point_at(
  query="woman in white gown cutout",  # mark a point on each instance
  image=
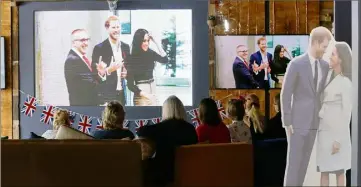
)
(334, 142)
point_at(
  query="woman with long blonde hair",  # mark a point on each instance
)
(61, 117)
(254, 117)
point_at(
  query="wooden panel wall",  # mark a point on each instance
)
(294, 17)
(299, 17)
(244, 17)
(6, 94)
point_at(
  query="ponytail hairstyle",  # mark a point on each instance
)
(255, 114)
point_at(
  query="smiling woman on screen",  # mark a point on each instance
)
(141, 66)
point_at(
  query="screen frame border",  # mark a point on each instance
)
(200, 61)
(214, 78)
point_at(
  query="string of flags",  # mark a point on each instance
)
(85, 122)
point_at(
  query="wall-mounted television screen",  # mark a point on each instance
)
(238, 56)
(2, 62)
(137, 57)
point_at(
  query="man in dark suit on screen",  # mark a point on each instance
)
(260, 63)
(80, 73)
(110, 56)
(241, 71)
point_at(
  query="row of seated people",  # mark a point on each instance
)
(175, 131)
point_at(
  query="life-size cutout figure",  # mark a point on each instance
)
(333, 138)
(304, 83)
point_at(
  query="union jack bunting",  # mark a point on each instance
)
(126, 124)
(85, 123)
(156, 120)
(29, 106)
(140, 123)
(47, 116)
(99, 124)
(221, 110)
(195, 117)
(72, 116)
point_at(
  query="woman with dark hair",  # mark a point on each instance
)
(212, 129)
(333, 139)
(279, 65)
(140, 68)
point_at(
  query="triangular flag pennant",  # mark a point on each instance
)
(156, 120)
(221, 110)
(72, 117)
(195, 117)
(47, 115)
(126, 124)
(99, 124)
(85, 123)
(140, 123)
(29, 106)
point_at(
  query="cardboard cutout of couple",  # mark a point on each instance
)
(316, 101)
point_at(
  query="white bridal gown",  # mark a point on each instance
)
(335, 116)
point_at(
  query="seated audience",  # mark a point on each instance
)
(172, 132)
(61, 117)
(113, 118)
(274, 127)
(212, 129)
(238, 129)
(254, 117)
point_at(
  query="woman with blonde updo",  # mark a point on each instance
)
(113, 118)
(61, 117)
(254, 117)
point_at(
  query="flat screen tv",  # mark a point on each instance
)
(2, 62)
(231, 49)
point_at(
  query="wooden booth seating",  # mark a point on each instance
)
(75, 163)
(207, 165)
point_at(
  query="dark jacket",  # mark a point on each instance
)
(80, 81)
(113, 134)
(243, 76)
(167, 135)
(107, 89)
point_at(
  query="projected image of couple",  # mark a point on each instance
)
(316, 104)
(123, 61)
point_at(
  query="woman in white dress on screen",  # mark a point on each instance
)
(334, 141)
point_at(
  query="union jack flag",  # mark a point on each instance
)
(221, 110)
(156, 120)
(72, 116)
(195, 117)
(126, 124)
(29, 106)
(140, 123)
(99, 124)
(85, 123)
(47, 116)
